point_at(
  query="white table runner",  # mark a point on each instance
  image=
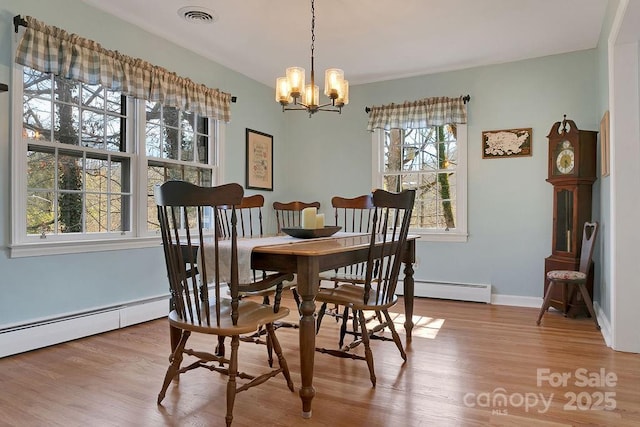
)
(245, 247)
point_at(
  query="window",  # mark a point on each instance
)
(177, 147)
(83, 156)
(432, 161)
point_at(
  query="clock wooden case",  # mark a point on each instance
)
(571, 171)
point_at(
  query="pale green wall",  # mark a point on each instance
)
(509, 200)
(47, 286)
(510, 203)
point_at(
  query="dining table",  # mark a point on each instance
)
(308, 258)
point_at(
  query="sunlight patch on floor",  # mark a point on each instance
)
(424, 326)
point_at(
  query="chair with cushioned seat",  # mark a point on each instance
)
(575, 278)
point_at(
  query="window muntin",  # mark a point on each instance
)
(77, 160)
(433, 162)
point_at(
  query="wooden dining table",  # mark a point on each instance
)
(308, 258)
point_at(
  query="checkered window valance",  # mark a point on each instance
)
(52, 50)
(418, 114)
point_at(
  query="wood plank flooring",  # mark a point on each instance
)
(469, 364)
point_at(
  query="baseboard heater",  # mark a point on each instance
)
(453, 291)
(43, 333)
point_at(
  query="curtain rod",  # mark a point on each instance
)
(465, 98)
(18, 21)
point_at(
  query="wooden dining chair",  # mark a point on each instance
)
(354, 215)
(249, 216)
(389, 225)
(288, 214)
(199, 303)
(575, 278)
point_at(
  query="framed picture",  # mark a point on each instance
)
(259, 160)
(506, 143)
(604, 144)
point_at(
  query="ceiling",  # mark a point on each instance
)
(371, 40)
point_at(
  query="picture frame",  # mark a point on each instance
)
(259, 160)
(504, 143)
(604, 145)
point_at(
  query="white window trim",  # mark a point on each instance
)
(461, 232)
(28, 247)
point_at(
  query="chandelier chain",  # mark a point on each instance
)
(313, 26)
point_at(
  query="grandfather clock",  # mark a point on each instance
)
(572, 171)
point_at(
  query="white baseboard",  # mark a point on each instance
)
(450, 290)
(605, 325)
(19, 339)
(516, 300)
(42, 333)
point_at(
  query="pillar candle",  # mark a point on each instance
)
(308, 218)
(320, 221)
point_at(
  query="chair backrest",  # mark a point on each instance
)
(390, 224)
(289, 214)
(187, 214)
(249, 213)
(353, 214)
(589, 233)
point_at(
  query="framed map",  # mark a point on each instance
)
(506, 143)
(259, 167)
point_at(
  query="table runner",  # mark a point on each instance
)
(245, 247)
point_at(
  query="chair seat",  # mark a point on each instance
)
(342, 277)
(566, 276)
(251, 316)
(351, 295)
(269, 291)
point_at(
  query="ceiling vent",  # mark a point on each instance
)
(197, 15)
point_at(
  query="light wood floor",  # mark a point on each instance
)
(463, 358)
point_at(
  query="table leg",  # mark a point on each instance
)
(308, 279)
(408, 299)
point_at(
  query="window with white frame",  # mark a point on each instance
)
(432, 161)
(82, 160)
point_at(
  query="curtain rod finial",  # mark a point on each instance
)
(18, 21)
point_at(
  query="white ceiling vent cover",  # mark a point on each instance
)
(197, 15)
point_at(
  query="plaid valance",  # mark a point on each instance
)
(418, 114)
(52, 50)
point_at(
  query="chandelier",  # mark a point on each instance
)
(292, 90)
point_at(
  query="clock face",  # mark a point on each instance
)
(565, 160)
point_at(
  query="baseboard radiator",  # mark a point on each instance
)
(453, 291)
(43, 333)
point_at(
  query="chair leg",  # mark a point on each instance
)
(281, 360)
(174, 367)
(231, 384)
(269, 349)
(220, 347)
(587, 301)
(367, 348)
(546, 302)
(323, 308)
(296, 298)
(394, 334)
(343, 326)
